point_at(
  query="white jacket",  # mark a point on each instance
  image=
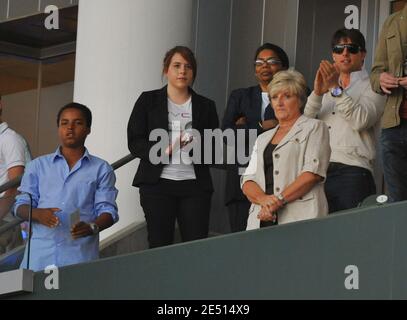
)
(305, 148)
(352, 120)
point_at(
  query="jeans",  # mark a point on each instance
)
(347, 186)
(393, 143)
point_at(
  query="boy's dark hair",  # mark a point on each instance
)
(81, 107)
(353, 34)
(277, 50)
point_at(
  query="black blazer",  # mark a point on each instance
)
(242, 102)
(151, 112)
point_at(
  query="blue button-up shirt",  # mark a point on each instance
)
(89, 186)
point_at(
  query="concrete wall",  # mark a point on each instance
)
(212, 47)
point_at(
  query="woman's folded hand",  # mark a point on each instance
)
(266, 214)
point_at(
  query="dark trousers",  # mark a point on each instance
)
(238, 214)
(393, 142)
(347, 186)
(169, 201)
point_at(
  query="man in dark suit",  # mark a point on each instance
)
(249, 108)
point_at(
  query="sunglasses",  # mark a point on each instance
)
(352, 48)
(270, 62)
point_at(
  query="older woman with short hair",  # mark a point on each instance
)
(284, 179)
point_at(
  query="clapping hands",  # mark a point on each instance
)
(327, 77)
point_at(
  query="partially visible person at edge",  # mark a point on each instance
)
(14, 156)
(345, 101)
(285, 177)
(249, 108)
(180, 190)
(389, 78)
(67, 183)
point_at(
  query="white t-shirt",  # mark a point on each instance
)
(14, 152)
(179, 118)
(264, 103)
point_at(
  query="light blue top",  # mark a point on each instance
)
(89, 187)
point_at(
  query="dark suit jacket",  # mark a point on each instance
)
(242, 102)
(151, 112)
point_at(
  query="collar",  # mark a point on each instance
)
(3, 127)
(258, 89)
(296, 128)
(58, 154)
(163, 91)
(357, 76)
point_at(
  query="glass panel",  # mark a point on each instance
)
(19, 90)
(21, 95)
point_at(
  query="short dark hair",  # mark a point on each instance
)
(81, 107)
(354, 35)
(186, 53)
(277, 50)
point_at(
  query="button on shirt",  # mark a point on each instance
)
(89, 186)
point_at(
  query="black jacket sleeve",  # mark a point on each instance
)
(137, 128)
